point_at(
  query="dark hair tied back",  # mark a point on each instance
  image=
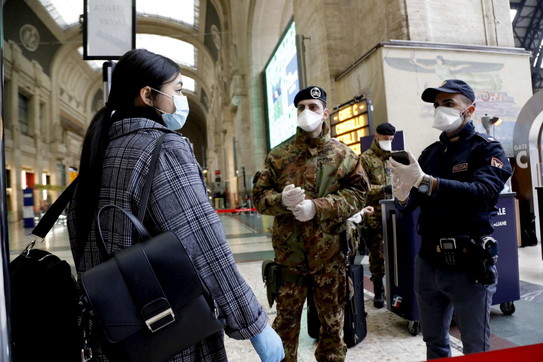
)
(135, 70)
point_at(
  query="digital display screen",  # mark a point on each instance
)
(351, 122)
(282, 85)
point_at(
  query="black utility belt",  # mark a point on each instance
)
(458, 251)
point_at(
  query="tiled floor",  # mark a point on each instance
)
(388, 338)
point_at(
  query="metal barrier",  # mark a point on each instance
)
(243, 209)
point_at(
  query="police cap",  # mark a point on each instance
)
(312, 92)
(449, 86)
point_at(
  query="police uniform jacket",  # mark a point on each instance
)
(472, 169)
(178, 202)
(332, 176)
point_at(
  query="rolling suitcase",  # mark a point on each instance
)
(402, 244)
(355, 329)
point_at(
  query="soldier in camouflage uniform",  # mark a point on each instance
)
(331, 186)
(374, 161)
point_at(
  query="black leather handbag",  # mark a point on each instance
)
(149, 299)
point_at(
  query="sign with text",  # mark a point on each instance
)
(110, 28)
(351, 121)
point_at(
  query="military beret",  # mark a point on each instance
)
(449, 86)
(386, 129)
(312, 92)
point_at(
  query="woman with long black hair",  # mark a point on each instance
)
(146, 101)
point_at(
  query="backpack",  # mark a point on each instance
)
(44, 308)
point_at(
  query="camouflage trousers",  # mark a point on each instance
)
(329, 294)
(373, 238)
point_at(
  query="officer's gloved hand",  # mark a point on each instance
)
(400, 190)
(292, 196)
(268, 345)
(357, 218)
(411, 175)
(305, 211)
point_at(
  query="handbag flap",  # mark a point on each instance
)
(112, 300)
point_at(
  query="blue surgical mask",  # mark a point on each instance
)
(177, 119)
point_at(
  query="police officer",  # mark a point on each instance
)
(312, 184)
(375, 162)
(456, 182)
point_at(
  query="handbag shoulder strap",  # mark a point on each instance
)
(143, 205)
(150, 176)
(51, 215)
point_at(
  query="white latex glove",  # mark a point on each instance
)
(400, 190)
(305, 211)
(411, 175)
(268, 345)
(292, 196)
(368, 210)
(357, 218)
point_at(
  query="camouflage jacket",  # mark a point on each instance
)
(374, 161)
(332, 176)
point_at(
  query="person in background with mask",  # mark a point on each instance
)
(312, 184)
(456, 183)
(146, 101)
(375, 162)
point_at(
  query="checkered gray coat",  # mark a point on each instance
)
(178, 202)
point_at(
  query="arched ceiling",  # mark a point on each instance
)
(169, 28)
(269, 21)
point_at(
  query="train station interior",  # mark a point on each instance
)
(242, 62)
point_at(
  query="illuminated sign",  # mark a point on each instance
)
(282, 85)
(351, 121)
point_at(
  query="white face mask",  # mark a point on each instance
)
(447, 119)
(385, 145)
(309, 121)
(177, 119)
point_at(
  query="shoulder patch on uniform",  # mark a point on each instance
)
(496, 162)
(488, 138)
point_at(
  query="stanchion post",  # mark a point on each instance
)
(28, 207)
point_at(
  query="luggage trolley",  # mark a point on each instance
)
(402, 243)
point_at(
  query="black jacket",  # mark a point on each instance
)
(471, 169)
